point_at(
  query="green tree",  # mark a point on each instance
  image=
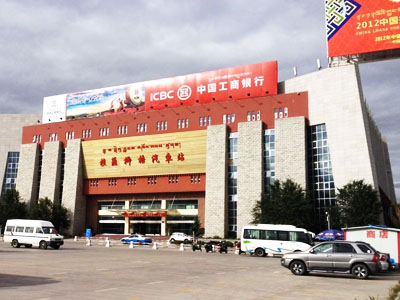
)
(196, 227)
(57, 214)
(286, 203)
(11, 207)
(358, 204)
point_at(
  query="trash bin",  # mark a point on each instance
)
(88, 232)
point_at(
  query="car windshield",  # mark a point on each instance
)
(49, 230)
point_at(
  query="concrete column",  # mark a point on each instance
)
(216, 208)
(27, 178)
(51, 168)
(290, 150)
(73, 198)
(249, 171)
(163, 219)
(127, 220)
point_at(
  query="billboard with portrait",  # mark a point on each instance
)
(362, 26)
(253, 80)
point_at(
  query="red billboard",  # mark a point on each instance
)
(253, 80)
(362, 26)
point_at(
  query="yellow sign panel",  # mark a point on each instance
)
(158, 154)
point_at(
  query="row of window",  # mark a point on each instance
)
(171, 204)
(122, 129)
(86, 133)
(280, 112)
(70, 135)
(172, 179)
(228, 118)
(163, 125)
(53, 137)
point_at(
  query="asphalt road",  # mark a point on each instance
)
(119, 272)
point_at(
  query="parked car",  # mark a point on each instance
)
(137, 239)
(358, 258)
(180, 237)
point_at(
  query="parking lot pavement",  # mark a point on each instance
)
(119, 272)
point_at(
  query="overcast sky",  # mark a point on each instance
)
(53, 47)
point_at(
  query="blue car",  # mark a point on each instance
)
(137, 239)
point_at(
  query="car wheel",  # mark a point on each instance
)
(15, 244)
(259, 252)
(43, 245)
(172, 241)
(360, 271)
(28, 246)
(56, 247)
(186, 241)
(298, 268)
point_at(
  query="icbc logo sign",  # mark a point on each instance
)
(162, 95)
(184, 92)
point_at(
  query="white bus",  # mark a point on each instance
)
(32, 233)
(264, 239)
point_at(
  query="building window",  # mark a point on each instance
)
(183, 123)
(162, 125)
(10, 174)
(275, 113)
(53, 137)
(94, 182)
(69, 135)
(37, 138)
(280, 113)
(131, 180)
(269, 159)
(205, 121)
(86, 133)
(232, 185)
(112, 181)
(142, 127)
(195, 178)
(104, 131)
(152, 180)
(62, 171)
(182, 204)
(321, 180)
(122, 130)
(286, 112)
(224, 119)
(173, 179)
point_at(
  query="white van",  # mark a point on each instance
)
(32, 233)
(264, 239)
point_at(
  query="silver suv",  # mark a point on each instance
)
(357, 258)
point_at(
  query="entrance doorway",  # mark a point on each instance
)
(146, 228)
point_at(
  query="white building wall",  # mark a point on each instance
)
(216, 210)
(11, 136)
(336, 99)
(290, 150)
(250, 177)
(51, 166)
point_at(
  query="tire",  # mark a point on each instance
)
(259, 252)
(172, 241)
(43, 245)
(298, 268)
(360, 271)
(15, 244)
(56, 247)
(28, 246)
(186, 241)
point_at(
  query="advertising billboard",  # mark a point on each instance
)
(159, 154)
(362, 26)
(253, 80)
